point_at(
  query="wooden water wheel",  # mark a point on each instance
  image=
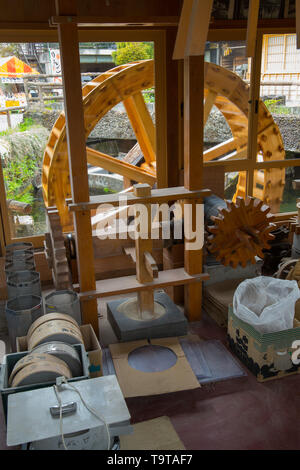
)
(224, 89)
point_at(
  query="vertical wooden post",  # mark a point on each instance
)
(143, 246)
(193, 167)
(68, 40)
(254, 92)
(298, 23)
(8, 119)
(160, 111)
(41, 100)
(173, 111)
(252, 27)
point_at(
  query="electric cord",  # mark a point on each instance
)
(89, 408)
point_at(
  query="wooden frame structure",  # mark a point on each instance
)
(151, 23)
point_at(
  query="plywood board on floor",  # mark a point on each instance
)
(154, 434)
(135, 383)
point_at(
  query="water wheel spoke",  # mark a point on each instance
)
(208, 104)
(142, 125)
(96, 158)
(233, 144)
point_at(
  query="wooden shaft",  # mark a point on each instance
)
(143, 246)
(253, 112)
(68, 40)
(193, 167)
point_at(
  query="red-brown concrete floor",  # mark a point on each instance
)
(234, 414)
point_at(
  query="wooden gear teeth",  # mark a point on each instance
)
(241, 232)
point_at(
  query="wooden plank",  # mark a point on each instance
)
(183, 27)
(157, 196)
(129, 284)
(198, 28)
(142, 125)
(122, 21)
(253, 112)
(223, 148)
(193, 28)
(193, 168)
(150, 264)
(298, 22)
(143, 245)
(193, 122)
(209, 102)
(252, 27)
(69, 49)
(96, 158)
(173, 110)
(160, 79)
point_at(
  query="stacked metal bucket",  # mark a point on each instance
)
(25, 303)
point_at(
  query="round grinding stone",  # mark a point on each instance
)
(49, 317)
(43, 371)
(32, 358)
(56, 330)
(63, 351)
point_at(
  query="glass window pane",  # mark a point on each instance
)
(280, 195)
(278, 128)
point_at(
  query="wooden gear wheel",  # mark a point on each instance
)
(224, 89)
(55, 251)
(241, 232)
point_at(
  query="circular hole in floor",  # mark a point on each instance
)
(152, 358)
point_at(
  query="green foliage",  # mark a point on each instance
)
(9, 49)
(17, 177)
(22, 127)
(275, 108)
(149, 95)
(25, 125)
(131, 51)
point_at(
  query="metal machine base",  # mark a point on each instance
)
(171, 323)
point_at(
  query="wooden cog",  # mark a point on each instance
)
(241, 232)
(224, 89)
(55, 252)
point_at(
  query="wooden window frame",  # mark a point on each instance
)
(158, 36)
(159, 39)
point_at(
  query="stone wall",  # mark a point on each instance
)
(115, 125)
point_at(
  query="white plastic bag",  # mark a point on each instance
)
(266, 303)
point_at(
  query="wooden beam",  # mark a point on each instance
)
(162, 169)
(142, 125)
(173, 109)
(198, 28)
(183, 27)
(298, 23)
(252, 27)
(253, 112)
(129, 284)
(218, 150)
(209, 102)
(158, 196)
(193, 168)
(118, 22)
(69, 49)
(96, 158)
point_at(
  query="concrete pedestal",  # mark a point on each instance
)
(171, 323)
